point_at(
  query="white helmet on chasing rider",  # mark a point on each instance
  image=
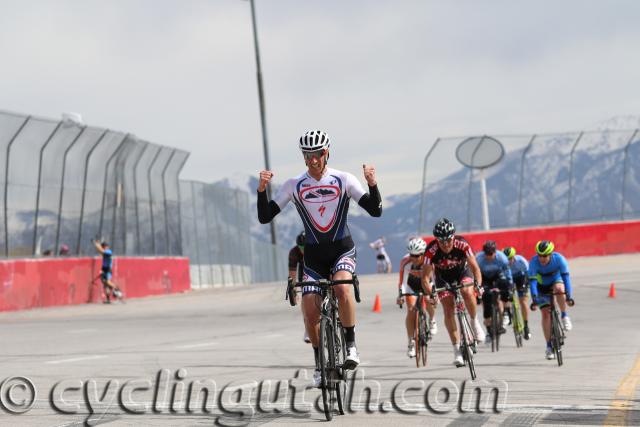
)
(314, 140)
(416, 246)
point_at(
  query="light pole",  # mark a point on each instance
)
(263, 120)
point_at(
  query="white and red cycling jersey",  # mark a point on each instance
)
(413, 282)
(323, 205)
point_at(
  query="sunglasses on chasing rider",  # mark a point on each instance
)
(445, 241)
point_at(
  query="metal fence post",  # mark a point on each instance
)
(164, 195)
(573, 149)
(524, 154)
(135, 196)
(180, 249)
(195, 230)
(473, 156)
(6, 185)
(624, 172)
(153, 232)
(38, 191)
(209, 237)
(424, 187)
(104, 185)
(118, 195)
(64, 167)
(84, 189)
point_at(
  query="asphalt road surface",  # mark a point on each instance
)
(139, 363)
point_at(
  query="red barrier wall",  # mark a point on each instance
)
(30, 283)
(608, 238)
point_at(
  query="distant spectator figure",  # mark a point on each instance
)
(47, 252)
(64, 250)
(383, 262)
(105, 276)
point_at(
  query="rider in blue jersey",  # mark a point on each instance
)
(549, 274)
(520, 272)
(109, 287)
(496, 273)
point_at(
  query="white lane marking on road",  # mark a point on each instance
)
(75, 359)
(198, 345)
(81, 331)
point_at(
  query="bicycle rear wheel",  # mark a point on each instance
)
(327, 366)
(342, 380)
(495, 326)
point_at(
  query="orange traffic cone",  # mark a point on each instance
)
(612, 290)
(376, 305)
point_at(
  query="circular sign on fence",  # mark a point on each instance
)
(479, 152)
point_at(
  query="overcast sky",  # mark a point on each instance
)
(383, 78)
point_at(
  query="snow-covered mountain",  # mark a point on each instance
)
(597, 177)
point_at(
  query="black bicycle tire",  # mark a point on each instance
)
(556, 331)
(495, 327)
(424, 337)
(342, 387)
(416, 336)
(467, 352)
(325, 369)
(517, 320)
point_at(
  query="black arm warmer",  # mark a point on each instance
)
(267, 209)
(372, 202)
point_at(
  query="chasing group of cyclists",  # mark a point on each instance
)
(448, 258)
(321, 195)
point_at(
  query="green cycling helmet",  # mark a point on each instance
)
(544, 247)
(510, 252)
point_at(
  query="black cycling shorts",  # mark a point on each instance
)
(487, 297)
(325, 259)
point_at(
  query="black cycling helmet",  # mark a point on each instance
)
(300, 239)
(104, 244)
(444, 229)
(489, 247)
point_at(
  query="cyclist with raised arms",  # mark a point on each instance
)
(548, 275)
(321, 195)
(451, 259)
(519, 267)
(496, 273)
(412, 263)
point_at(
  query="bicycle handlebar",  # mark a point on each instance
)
(322, 283)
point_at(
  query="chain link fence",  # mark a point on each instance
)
(216, 230)
(65, 183)
(541, 180)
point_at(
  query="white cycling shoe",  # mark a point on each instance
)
(480, 335)
(352, 360)
(566, 322)
(549, 354)
(457, 357)
(317, 379)
(411, 350)
(433, 327)
(306, 338)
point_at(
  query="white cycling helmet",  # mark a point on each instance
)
(416, 246)
(314, 140)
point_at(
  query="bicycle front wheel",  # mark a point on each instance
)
(327, 366)
(342, 380)
(556, 336)
(466, 337)
(496, 324)
(424, 337)
(518, 321)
